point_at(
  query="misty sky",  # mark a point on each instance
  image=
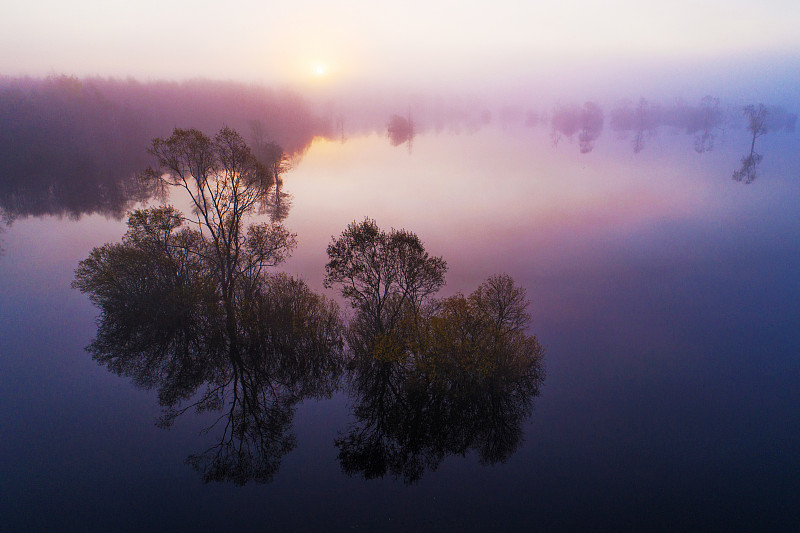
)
(311, 43)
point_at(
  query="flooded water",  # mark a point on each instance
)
(664, 292)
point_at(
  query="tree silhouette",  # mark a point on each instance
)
(400, 130)
(586, 121)
(644, 125)
(163, 323)
(710, 118)
(382, 273)
(757, 126)
(464, 381)
(226, 183)
(591, 126)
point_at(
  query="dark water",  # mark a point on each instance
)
(665, 293)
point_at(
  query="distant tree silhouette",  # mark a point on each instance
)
(710, 118)
(591, 126)
(271, 155)
(565, 121)
(757, 126)
(400, 130)
(586, 121)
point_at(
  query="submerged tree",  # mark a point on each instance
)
(642, 121)
(709, 118)
(565, 121)
(591, 126)
(429, 378)
(464, 383)
(277, 162)
(586, 121)
(757, 126)
(644, 126)
(188, 306)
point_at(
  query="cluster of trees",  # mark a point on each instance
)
(705, 122)
(587, 121)
(164, 324)
(640, 121)
(429, 377)
(191, 305)
(65, 149)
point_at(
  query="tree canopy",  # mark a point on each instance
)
(226, 183)
(164, 324)
(189, 307)
(461, 378)
(382, 273)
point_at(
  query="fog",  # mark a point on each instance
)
(71, 146)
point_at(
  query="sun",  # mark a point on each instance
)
(319, 69)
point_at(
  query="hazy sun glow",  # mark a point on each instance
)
(320, 69)
(314, 43)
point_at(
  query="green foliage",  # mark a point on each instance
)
(480, 337)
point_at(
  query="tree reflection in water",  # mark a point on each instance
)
(464, 383)
(757, 126)
(429, 378)
(163, 324)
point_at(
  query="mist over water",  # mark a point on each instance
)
(662, 289)
(73, 146)
(607, 194)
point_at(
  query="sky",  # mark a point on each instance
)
(311, 43)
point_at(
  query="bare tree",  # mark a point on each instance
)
(226, 184)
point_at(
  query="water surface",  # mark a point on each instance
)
(665, 293)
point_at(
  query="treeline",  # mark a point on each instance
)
(638, 121)
(70, 146)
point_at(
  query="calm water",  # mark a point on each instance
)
(665, 294)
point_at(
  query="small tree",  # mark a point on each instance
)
(757, 125)
(591, 126)
(400, 130)
(382, 273)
